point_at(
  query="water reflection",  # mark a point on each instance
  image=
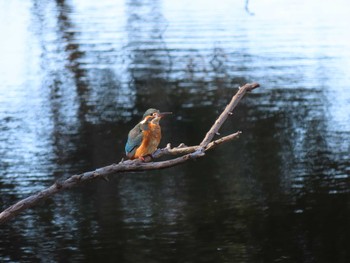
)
(76, 75)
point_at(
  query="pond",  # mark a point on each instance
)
(77, 75)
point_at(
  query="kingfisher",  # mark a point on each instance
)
(144, 138)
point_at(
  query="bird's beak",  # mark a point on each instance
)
(162, 114)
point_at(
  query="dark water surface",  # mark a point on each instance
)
(76, 75)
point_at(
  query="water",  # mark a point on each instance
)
(75, 76)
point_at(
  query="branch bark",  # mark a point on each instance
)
(186, 152)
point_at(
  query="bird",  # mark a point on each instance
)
(144, 138)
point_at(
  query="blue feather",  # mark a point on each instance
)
(134, 141)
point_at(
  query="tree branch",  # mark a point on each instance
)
(186, 152)
(214, 130)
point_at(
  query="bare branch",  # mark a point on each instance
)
(227, 112)
(182, 149)
(186, 152)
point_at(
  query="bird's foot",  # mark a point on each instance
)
(146, 158)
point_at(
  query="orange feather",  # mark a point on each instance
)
(150, 141)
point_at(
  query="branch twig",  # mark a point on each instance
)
(227, 112)
(186, 152)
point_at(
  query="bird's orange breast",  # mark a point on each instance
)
(150, 141)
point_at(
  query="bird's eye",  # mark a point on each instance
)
(154, 114)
